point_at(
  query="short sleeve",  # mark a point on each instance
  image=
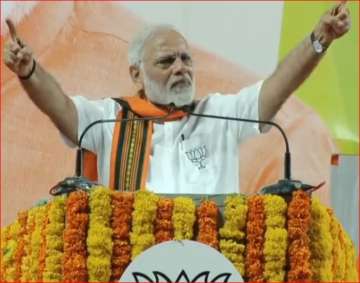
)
(89, 111)
(248, 108)
(244, 104)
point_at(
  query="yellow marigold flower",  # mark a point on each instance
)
(4, 231)
(143, 217)
(321, 243)
(351, 272)
(10, 251)
(54, 240)
(338, 252)
(183, 218)
(99, 240)
(275, 245)
(36, 243)
(232, 234)
(26, 262)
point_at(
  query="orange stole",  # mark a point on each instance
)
(131, 145)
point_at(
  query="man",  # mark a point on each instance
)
(184, 155)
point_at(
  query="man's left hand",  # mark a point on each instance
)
(333, 24)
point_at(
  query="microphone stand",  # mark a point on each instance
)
(80, 182)
(284, 187)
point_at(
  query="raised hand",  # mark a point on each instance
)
(333, 24)
(17, 56)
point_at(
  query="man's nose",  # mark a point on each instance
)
(179, 67)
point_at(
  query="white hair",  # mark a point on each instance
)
(136, 47)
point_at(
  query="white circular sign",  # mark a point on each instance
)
(181, 261)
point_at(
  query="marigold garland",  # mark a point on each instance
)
(36, 246)
(164, 230)
(183, 218)
(255, 229)
(275, 246)
(75, 233)
(99, 240)
(299, 217)
(10, 250)
(26, 260)
(207, 219)
(321, 244)
(351, 271)
(36, 243)
(232, 234)
(122, 208)
(3, 240)
(42, 253)
(54, 238)
(338, 251)
(22, 219)
(143, 217)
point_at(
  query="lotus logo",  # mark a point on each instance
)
(198, 156)
(190, 261)
(182, 277)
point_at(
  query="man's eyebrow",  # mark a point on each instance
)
(173, 54)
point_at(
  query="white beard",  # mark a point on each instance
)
(179, 95)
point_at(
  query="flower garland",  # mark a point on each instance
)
(321, 244)
(22, 219)
(10, 250)
(299, 218)
(75, 254)
(4, 232)
(275, 245)
(351, 273)
(99, 241)
(54, 240)
(338, 251)
(122, 208)
(207, 217)
(42, 254)
(26, 260)
(164, 230)
(36, 243)
(183, 218)
(143, 217)
(232, 234)
(255, 229)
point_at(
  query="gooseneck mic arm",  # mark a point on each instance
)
(79, 154)
(79, 181)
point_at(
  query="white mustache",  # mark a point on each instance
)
(185, 79)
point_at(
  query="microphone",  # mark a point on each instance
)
(285, 186)
(79, 182)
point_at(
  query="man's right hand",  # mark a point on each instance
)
(17, 56)
(42, 89)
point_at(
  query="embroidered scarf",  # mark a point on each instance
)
(131, 143)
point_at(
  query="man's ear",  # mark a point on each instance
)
(137, 77)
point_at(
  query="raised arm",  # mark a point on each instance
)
(41, 87)
(301, 61)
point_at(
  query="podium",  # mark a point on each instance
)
(95, 235)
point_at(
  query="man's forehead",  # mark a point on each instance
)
(166, 41)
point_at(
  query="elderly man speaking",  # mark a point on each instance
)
(184, 154)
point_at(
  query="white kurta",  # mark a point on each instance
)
(189, 156)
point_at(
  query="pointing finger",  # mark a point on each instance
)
(12, 30)
(337, 8)
(13, 34)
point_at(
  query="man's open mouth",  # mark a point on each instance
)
(181, 83)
